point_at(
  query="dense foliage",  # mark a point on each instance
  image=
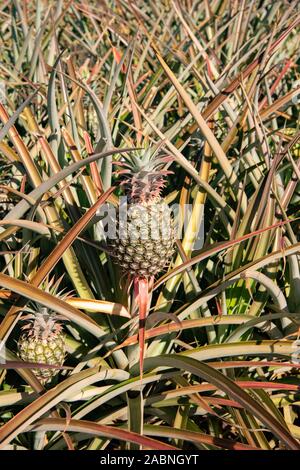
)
(215, 85)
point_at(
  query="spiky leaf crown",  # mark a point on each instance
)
(42, 325)
(144, 175)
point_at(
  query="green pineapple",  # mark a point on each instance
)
(42, 341)
(145, 230)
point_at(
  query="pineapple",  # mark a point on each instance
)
(145, 231)
(42, 341)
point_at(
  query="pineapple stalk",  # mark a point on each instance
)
(141, 289)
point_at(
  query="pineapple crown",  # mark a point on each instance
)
(144, 175)
(42, 324)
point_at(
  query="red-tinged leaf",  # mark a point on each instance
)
(289, 63)
(243, 384)
(118, 58)
(209, 69)
(23, 184)
(82, 426)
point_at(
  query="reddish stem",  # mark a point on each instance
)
(286, 67)
(141, 287)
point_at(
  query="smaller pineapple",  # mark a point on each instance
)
(42, 341)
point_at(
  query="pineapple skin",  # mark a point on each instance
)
(43, 351)
(43, 341)
(145, 241)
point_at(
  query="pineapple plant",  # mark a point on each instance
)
(42, 341)
(145, 233)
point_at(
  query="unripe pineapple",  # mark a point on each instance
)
(145, 232)
(42, 341)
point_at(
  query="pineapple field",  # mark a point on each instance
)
(149, 225)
